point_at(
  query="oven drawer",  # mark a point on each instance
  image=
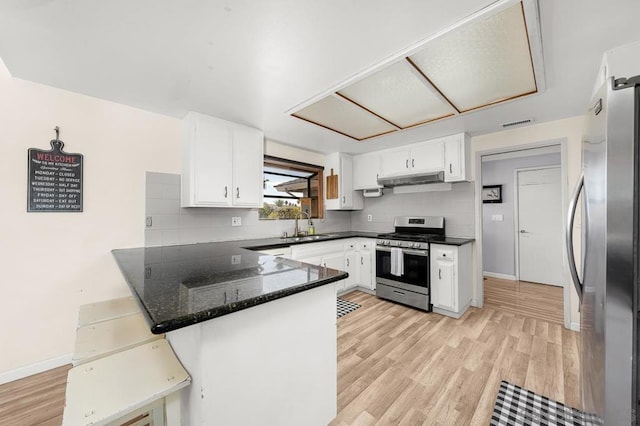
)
(406, 297)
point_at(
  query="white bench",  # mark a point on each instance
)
(107, 310)
(104, 338)
(126, 385)
(122, 372)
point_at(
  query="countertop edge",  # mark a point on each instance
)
(191, 319)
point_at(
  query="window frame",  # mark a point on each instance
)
(317, 170)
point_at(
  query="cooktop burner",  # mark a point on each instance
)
(413, 232)
(411, 237)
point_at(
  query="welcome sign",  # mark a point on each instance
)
(55, 179)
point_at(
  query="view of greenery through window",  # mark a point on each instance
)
(289, 189)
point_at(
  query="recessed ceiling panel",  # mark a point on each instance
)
(398, 95)
(344, 117)
(481, 63)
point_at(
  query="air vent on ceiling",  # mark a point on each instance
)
(518, 123)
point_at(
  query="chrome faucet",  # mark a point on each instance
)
(297, 231)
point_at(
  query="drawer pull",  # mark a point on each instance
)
(399, 292)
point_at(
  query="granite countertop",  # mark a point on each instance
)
(453, 241)
(177, 286)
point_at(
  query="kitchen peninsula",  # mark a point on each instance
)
(272, 364)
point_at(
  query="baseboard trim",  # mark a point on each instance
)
(575, 326)
(501, 276)
(35, 368)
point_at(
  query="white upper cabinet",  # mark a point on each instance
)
(424, 157)
(366, 169)
(222, 163)
(449, 154)
(248, 160)
(395, 163)
(347, 197)
(457, 158)
(427, 157)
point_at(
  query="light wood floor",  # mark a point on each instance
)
(538, 301)
(35, 400)
(399, 366)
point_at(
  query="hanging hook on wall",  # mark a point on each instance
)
(57, 143)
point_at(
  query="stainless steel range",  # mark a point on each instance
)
(402, 260)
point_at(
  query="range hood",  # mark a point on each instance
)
(390, 182)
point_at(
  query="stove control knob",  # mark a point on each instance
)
(416, 245)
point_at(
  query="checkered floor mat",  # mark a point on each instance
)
(518, 406)
(344, 307)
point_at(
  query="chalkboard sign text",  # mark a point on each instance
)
(55, 180)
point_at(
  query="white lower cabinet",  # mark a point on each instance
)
(353, 256)
(451, 287)
(366, 264)
(351, 266)
(335, 261)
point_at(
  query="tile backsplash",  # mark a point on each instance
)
(456, 205)
(172, 224)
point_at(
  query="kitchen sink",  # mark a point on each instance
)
(316, 237)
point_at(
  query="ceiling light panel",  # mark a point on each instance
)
(344, 117)
(399, 95)
(481, 63)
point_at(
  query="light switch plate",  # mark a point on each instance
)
(236, 221)
(236, 259)
(497, 217)
(369, 217)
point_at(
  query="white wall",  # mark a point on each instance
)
(570, 129)
(53, 262)
(498, 237)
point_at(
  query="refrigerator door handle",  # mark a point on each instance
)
(573, 205)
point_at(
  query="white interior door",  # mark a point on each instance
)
(539, 230)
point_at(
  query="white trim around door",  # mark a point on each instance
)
(479, 301)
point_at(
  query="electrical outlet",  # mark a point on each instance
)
(369, 217)
(236, 259)
(236, 221)
(149, 222)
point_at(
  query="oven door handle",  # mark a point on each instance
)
(423, 253)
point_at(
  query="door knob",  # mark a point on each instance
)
(522, 231)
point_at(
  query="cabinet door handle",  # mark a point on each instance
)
(225, 297)
(344, 199)
(225, 192)
(406, 163)
(413, 162)
(450, 168)
(237, 294)
(237, 192)
(439, 273)
(362, 260)
(347, 263)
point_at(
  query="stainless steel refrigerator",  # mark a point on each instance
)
(608, 283)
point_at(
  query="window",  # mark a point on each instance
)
(291, 187)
